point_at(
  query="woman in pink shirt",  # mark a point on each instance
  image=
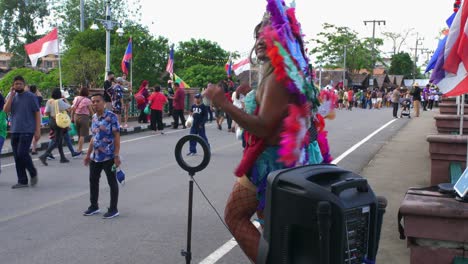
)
(157, 100)
(82, 111)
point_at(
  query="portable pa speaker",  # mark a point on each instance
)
(319, 214)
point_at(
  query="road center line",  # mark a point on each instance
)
(231, 243)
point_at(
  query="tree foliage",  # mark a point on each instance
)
(330, 45)
(69, 14)
(19, 20)
(199, 52)
(402, 64)
(200, 75)
(44, 81)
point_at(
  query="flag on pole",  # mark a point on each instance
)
(170, 62)
(241, 66)
(456, 56)
(181, 82)
(438, 59)
(46, 45)
(127, 58)
(228, 68)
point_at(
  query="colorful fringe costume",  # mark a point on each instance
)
(303, 138)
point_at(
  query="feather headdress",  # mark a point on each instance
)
(285, 49)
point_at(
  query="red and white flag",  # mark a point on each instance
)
(241, 66)
(456, 56)
(46, 45)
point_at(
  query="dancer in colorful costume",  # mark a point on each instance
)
(277, 120)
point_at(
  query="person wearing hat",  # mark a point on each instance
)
(199, 114)
(116, 94)
(416, 93)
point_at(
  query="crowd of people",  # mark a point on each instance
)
(427, 98)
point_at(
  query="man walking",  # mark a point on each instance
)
(108, 84)
(179, 105)
(103, 154)
(416, 93)
(396, 101)
(25, 124)
(200, 115)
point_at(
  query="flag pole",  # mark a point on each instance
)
(462, 113)
(59, 61)
(131, 79)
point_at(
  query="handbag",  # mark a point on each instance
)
(139, 98)
(62, 119)
(147, 110)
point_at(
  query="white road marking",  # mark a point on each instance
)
(360, 143)
(230, 244)
(223, 250)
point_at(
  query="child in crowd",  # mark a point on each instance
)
(199, 113)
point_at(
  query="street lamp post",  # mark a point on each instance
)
(109, 26)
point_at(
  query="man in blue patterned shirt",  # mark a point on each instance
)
(103, 154)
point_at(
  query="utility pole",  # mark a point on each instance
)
(415, 66)
(378, 22)
(82, 15)
(344, 67)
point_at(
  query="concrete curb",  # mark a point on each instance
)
(7, 150)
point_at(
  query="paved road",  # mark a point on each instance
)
(44, 224)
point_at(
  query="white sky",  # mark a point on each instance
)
(231, 23)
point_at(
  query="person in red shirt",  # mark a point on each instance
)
(157, 100)
(178, 105)
(350, 99)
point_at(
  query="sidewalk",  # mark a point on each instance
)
(402, 163)
(133, 127)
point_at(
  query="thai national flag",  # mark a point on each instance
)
(127, 58)
(228, 68)
(170, 62)
(456, 56)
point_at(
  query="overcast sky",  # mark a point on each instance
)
(231, 23)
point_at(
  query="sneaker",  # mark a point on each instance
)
(219, 127)
(64, 161)
(34, 180)
(110, 214)
(77, 154)
(126, 126)
(190, 154)
(19, 186)
(91, 211)
(43, 160)
(50, 157)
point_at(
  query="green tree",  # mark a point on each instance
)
(402, 64)
(19, 21)
(199, 52)
(44, 81)
(81, 65)
(330, 46)
(200, 75)
(68, 13)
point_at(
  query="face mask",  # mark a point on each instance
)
(20, 91)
